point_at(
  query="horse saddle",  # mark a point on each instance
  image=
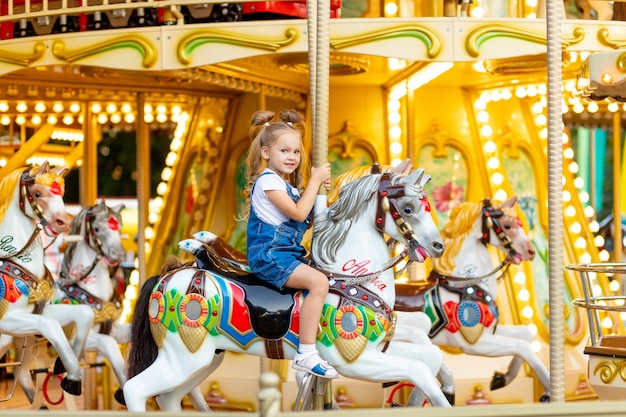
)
(270, 309)
(410, 297)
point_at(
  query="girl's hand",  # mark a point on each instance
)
(321, 175)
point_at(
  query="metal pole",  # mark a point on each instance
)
(617, 187)
(555, 201)
(143, 185)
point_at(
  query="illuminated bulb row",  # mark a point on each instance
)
(40, 107)
(489, 148)
(166, 174)
(37, 120)
(395, 131)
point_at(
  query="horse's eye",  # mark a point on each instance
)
(37, 194)
(407, 210)
(507, 226)
(96, 229)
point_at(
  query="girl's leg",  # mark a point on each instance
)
(307, 358)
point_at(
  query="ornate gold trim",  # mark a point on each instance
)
(427, 36)
(190, 42)
(24, 60)
(139, 43)
(483, 33)
(611, 369)
(603, 37)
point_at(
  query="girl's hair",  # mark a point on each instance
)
(265, 128)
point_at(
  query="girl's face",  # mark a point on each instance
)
(283, 155)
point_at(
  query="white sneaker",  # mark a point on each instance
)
(312, 363)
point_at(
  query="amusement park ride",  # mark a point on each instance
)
(459, 88)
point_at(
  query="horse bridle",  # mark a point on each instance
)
(490, 220)
(388, 194)
(387, 203)
(26, 181)
(90, 236)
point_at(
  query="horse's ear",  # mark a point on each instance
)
(118, 209)
(403, 167)
(43, 168)
(509, 203)
(413, 178)
(60, 171)
(101, 204)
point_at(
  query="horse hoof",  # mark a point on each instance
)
(498, 381)
(71, 387)
(545, 398)
(59, 368)
(119, 396)
(450, 397)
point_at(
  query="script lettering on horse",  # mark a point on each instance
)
(6, 246)
(360, 268)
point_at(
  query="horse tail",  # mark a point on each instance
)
(142, 350)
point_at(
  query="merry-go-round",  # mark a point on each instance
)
(476, 158)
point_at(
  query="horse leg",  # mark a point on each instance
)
(171, 401)
(82, 316)
(24, 354)
(121, 332)
(109, 348)
(374, 366)
(413, 327)
(173, 367)
(512, 340)
(24, 323)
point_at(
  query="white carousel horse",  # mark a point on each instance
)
(411, 327)
(184, 316)
(31, 200)
(89, 278)
(462, 306)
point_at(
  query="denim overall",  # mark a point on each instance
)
(274, 252)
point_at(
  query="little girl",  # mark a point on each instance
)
(278, 218)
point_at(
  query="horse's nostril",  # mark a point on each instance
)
(438, 245)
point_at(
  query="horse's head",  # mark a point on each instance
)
(103, 227)
(41, 197)
(404, 214)
(502, 228)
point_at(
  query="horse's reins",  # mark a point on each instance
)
(490, 220)
(27, 180)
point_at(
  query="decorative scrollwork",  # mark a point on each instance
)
(139, 43)
(26, 59)
(480, 35)
(200, 37)
(609, 370)
(427, 36)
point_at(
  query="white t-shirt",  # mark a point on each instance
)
(263, 207)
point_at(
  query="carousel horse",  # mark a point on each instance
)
(31, 200)
(462, 305)
(411, 327)
(89, 278)
(187, 314)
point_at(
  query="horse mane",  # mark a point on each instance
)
(457, 229)
(331, 226)
(7, 188)
(349, 176)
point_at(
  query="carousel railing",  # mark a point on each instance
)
(596, 304)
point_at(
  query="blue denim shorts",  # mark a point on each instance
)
(276, 260)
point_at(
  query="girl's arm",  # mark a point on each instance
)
(300, 210)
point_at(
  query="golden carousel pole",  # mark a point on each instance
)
(555, 201)
(318, 25)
